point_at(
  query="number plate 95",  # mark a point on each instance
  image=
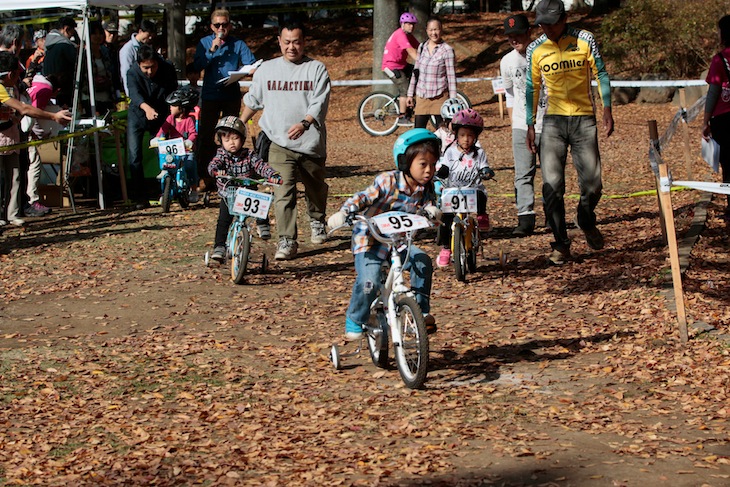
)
(399, 222)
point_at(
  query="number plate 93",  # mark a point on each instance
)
(251, 203)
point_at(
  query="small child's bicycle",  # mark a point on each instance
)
(173, 180)
(246, 205)
(394, 314)
(466, 242)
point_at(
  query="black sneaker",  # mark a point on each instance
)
(404, 122)
(594, 239)
(559, 256)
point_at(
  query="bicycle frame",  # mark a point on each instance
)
(176, 171)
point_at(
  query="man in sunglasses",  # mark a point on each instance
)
(218, 54)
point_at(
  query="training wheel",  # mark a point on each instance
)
(264, 264)
(206, 198)
(335, 357)
(207, 258)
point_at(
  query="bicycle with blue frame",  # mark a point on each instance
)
(173, 179)
(394, 314)
(246, 205)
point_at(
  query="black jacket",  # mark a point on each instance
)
(151, 91)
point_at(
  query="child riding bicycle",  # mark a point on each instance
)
(180, 124)
(232, 159)
(464, 164)
(407, 189)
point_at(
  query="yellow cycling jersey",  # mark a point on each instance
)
(565, 67)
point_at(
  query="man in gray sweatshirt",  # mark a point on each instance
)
(294, 91)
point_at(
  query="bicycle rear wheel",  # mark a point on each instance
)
(241, 251)
(378, 113)
(411, 354)
(459, 252)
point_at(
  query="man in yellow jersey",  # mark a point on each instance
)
(563, 59)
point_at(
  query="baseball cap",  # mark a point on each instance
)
(110, 26)
(516, 24)
(549, 12)
(39, 34)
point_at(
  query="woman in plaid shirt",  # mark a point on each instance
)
(435, 80)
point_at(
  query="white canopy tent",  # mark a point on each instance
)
(85, 50)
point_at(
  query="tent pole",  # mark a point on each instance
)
(92, 102)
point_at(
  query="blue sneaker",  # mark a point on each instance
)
(353, 331)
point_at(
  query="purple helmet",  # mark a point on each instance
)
(468, 118)
(408, 18)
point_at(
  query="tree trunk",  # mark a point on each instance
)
(385, 21)
(176, 36)
(422, 9)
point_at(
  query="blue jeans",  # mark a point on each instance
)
(367, 283)
(580, 133)
(525, 169)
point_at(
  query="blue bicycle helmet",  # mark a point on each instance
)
(406, 140)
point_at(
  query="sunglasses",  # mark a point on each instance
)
(222, 24)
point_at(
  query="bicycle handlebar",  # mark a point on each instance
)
(232, 180)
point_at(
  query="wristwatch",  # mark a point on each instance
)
(306, 124)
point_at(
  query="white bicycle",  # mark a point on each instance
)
(394, 314)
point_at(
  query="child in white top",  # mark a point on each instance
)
(464, 164)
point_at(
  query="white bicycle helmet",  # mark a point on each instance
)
(451, 107)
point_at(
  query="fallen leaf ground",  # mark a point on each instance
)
(125, 361)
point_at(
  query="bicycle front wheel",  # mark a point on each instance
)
(241, 251)
(411, 354)
(378, 113)
(459, 252)
(166, 194)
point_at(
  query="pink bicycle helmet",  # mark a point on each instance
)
(408, 18)
(468, 117)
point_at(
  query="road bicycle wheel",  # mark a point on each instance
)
(459, 252)
(411, 354)
(378, 337)
(166, 194)
(241, 250)
(378, 113)
(471, 255)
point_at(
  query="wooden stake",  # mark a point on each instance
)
(666, 202)
(685, 133)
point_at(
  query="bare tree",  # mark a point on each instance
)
(176, 35)
(385, 21)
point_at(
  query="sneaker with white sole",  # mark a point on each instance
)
(219, 254)
(287, 249)
(264, 231)
(319, 233)
(353, 331)
(193, 196)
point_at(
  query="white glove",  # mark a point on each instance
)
(433, 212)
(337, 220)
(188, 144)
